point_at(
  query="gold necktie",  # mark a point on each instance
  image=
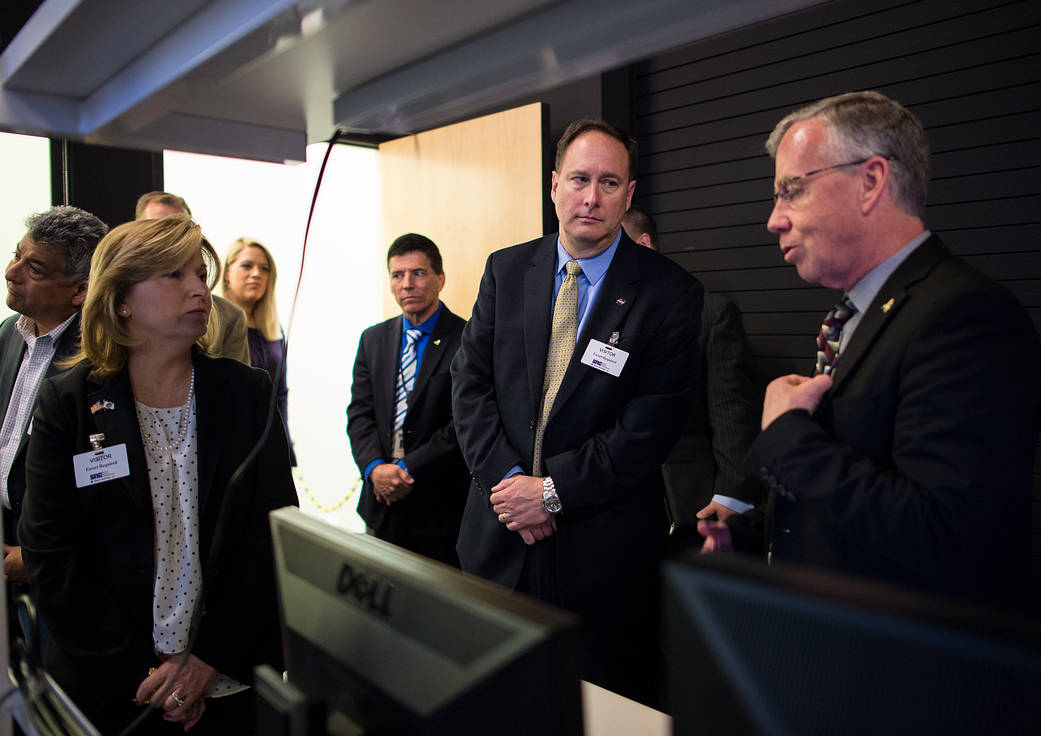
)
(561, 346)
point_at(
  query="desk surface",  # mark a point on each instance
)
(609, 714)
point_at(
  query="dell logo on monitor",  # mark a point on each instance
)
(367, 591)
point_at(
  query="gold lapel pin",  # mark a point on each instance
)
(887, 306)
(437, 341)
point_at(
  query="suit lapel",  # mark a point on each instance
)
(386, 380)
(538, 295)
(432, 355)
(615, 298)
(13, 346)
(891, 298)
(212, 411)
(119, 425)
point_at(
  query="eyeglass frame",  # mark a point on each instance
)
(787, 196)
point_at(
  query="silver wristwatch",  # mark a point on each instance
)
(550, 499)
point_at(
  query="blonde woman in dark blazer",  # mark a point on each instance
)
(123, 554)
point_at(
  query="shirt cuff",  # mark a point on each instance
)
(734, 504)
(369, 467)
(515, 470)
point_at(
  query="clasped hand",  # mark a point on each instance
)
(390, 483)
(182, 698)
(518, 502)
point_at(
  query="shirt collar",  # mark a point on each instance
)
(426, 326)
(592, 268)
(26, 326)
(865, 290)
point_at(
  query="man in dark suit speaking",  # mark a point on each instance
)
(570, 386)
(400, 417)
(46, 285)
(907, 457)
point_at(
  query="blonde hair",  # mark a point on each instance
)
(130, 254)
(265, 311)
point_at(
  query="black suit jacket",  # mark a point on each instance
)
(724, 419)
(12, 350)
(916, 467)
(432, 455)
(606, 436)
(90, 551)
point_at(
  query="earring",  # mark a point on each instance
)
(124, 312)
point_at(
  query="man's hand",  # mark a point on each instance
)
(14, 568)
(182, 698)
(390, 483)
(518, 502)
(714, 507)
(793, 392)
(717, 537)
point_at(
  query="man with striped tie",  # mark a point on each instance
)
(400, 417)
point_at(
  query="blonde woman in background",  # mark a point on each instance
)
(249, 281)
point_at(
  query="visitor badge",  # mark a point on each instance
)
(604, 357)
(97, 466)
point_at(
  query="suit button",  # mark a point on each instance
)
(786, 531)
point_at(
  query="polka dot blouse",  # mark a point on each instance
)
(173, 476)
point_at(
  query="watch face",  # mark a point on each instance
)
(551, 503)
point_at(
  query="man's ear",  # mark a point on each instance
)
(874, 181)
(80, 295)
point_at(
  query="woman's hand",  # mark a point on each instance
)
(181, 694)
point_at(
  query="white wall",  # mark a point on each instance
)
(340, 295)
(25, 188)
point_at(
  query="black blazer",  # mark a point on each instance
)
(605, 438)
(12, 350)
(724, 419)
(432, 456)
(90, 551)
(916, 468)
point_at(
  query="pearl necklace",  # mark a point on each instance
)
(182, 424)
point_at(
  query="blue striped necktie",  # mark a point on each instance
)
(406, 377)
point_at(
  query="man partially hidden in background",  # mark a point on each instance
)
(703, 473)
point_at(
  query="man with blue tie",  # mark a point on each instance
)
(399, 420)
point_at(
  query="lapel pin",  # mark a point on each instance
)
(887, 306)
(102, 406)
(620, 302)
(437, 341)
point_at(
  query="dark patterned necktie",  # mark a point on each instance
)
(830, 336)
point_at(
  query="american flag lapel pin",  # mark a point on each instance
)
(620, 302)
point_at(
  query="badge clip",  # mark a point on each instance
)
(613, 340)
(96, 440)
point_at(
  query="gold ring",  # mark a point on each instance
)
(177, 699)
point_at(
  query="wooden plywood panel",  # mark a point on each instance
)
(472, 188)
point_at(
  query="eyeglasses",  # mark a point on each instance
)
(791, 188)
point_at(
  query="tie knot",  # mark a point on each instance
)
(412, 335)
(573, 268)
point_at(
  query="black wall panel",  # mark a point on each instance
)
(971, 69)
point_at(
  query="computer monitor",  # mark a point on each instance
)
(393, 642)
(758, 650)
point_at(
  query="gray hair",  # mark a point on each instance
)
(865, 124)
(76, 232)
